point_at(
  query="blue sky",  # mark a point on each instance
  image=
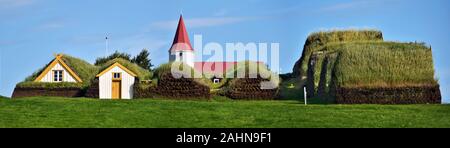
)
(31, 31)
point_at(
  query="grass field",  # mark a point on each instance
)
(219, 112)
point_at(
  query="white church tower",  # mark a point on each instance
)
(181, 50)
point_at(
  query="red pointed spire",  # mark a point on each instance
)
(181, 40)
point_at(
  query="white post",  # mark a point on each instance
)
(304, 92)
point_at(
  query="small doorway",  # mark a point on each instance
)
(116, 89)
(116, 86)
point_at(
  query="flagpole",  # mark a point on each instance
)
(106, 46)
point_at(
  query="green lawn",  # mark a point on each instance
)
(220, 112)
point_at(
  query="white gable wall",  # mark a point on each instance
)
(105, 84)
(66, 75)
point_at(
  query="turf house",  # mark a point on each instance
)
(359, 67)
(63, 76)
(116, 82)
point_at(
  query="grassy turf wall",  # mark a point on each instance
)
(165, 85)
(384, 64)
(317, 40)
(51, 92)
(313, 73)
(181, 88)
(357, 64)
(383, 73)
(324, 89)
(93, 91)
(250, 87)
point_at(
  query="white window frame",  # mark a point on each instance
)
(216, 81)
(58, 75)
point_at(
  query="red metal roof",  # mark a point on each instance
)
(181, 40)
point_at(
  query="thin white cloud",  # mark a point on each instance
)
(201, 22)
(9, 4)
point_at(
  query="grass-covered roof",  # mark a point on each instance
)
(141, 73)
(166, 68)
(250, 69)
(317, 40)
(83, 69)
(383, 64)
(373, 64)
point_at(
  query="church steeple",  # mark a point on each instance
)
(181, 50)
(181, 40)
